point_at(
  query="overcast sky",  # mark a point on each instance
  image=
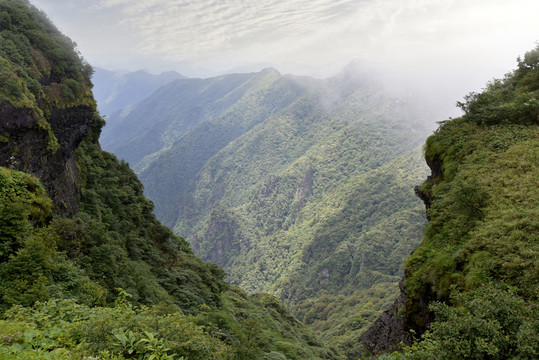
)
(446, 46)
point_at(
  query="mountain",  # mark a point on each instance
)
(295, 186)
(86, 270)
(117, 90)
(470, 289)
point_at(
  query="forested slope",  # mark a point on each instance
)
(86, 270)
(116, 90)
(295, 186)
(473, 282)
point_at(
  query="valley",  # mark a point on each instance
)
(295, 186)
(259, 215)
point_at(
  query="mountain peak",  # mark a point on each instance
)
(270, 70)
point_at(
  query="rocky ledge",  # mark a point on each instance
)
(26, 145)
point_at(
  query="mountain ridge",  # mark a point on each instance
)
(117, 90)
(470, 288)
(242, 184)
(101, 278)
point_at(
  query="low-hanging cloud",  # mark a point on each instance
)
(449, 47)
(309, 31)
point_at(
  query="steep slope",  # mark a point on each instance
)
(181, 106)
(115, 90)
(297, 186)
(46, 102)
(473, 281)
(60, 263)
(317, 249)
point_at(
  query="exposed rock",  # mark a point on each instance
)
(305, 189)
(268, 186)
(26, 147)
(389, 332)
(392, 329)
(219, 237)
(435, 166)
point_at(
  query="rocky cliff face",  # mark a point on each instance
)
(392, 329)
(46, 103)
(423, 191)
(389, 331)
(26, 145)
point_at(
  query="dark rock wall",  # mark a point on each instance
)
(392, 329)
(435, 166)
(389, 331)
(25, 146)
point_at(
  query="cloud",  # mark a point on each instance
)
(448, 47)
(180, 30)
(309, 31)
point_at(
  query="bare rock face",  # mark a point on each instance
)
(389, 332)
(392, 329)
(26, 145)
(435, 166)
(305, 189)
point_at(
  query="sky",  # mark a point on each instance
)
(446, 48)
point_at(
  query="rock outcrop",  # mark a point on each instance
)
(26, 145)
(392, 329)
(389, 331)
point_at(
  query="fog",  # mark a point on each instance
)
(438, 49)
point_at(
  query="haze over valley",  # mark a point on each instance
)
(269, 180)
(440, 49)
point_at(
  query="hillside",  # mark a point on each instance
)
(86, 270)
(471, 287)
(117, 90)
(294, 186)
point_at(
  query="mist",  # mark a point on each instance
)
(438, 49)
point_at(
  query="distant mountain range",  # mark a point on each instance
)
(117, 90)
(295, 186)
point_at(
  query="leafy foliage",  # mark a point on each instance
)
(22, 201)
(39, 66)
(38, 274)
(64, 329)
(480, 249)
(41, 71)
(485, 323)
(298, 187)
(122, 245)
(58, 274)
(315, 215)
(31, 268)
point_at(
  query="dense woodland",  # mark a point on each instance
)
(109, 282)
(295, 186)
(321, 217)
(477, 266)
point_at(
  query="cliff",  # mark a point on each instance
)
(46, 105)
(94, 261)
(27, 149)
(391, 331)
(470, 288)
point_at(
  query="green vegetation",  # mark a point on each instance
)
(40, 69)
(278, 182)
(110, 281)
(63, 269)
(115, 226)
(484, 323)
(478, 263)
(31, 267)
(298, 187)
(63, 329)
(31, 50)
